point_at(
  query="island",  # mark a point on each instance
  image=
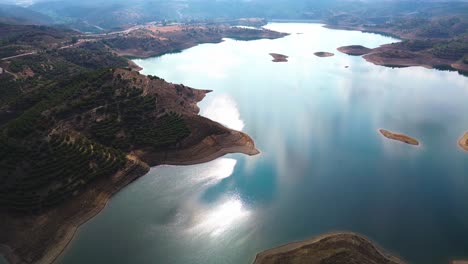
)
(279, 57)
(399, 137)
(324, 54)
(463, 142)
(78, 123)
(338, 248)
(354, 50)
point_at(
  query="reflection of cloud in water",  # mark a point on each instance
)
(215, 66)
(194, 216)
(214, 171)
(223, 109)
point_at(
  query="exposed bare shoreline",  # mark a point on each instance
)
(42, 238)
(463, 142)
(337, 248)
(323, 54)
(234, 142)
(391, 55)
(354, 50)
(279, 57)
(399, 137)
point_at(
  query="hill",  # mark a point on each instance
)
(77, 125)
(12, 14)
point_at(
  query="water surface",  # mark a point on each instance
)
(324, 167)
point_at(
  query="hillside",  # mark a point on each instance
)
(154, 40)
(111, 14)
(14, 14)
(76, 127)
(440, 43)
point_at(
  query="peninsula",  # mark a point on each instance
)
(154, 40)
(426, 44)
(279, 57)
(78, 124)
(339, 248)
(463, 142)
(399, 137)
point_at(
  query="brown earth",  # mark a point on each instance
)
(339, 248)
(151, 40)
(399, 137)
(402, 55)
(394, 55)
(463, 142)
(324, 54)
(354, 50)
(279, 57)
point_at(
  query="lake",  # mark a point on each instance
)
(323, 168)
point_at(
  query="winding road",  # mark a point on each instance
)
(19, 55)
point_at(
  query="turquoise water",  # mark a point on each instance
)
(323, 168)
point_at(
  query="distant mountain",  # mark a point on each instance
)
(100, 15)
(13, 14)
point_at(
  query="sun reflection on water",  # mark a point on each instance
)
(221, 218)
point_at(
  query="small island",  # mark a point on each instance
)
(337, 248)
(399, 137)
(354, 50)
(463, 142)
(323, 54)
(279, 57)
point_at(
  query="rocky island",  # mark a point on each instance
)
(463, 142)
(323, 54)
(339, 248)
(399, 137)
(279, 57)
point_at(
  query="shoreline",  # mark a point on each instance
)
(463, 142)
(43, 237)
(354, 50)
(173, 39)
(396, 55)
(65, 234)
(75, 230)
(399, 137)
(325, 247)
